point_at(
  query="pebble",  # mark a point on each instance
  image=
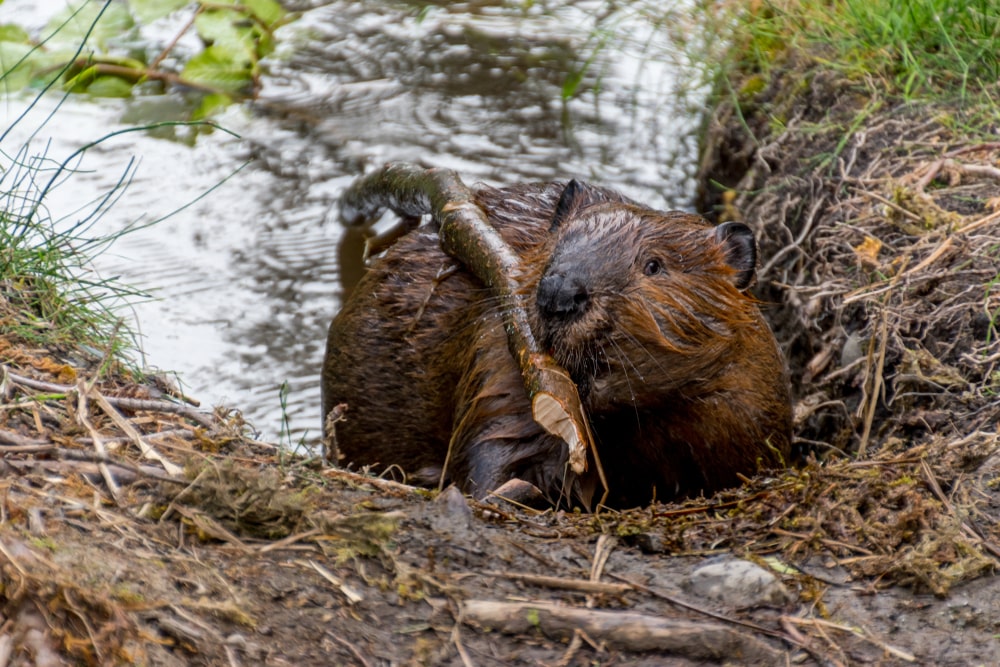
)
(737, 583)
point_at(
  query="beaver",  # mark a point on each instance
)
(648, 311)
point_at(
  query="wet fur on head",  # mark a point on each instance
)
(661, 293)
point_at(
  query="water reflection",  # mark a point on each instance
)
(248, 276)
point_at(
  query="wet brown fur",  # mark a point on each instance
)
(680, 376)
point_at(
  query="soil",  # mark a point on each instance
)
(135, 529)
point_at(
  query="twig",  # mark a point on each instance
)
(146, 449)
(976, 224)
(377, 482)
(574, 647)
(625, 630)
(936, 254)
(83, 456)
(82, 416)
(288, 541)
(877, 381)
(123, 402)
(350, 647)
(210, 526)
(352, 595)
(605, 545)
(823, 540)
(893, 205)
(705, 612)
(134, 75)
(931, 479)
(457, 640)
(71, 604)
(973, 169)
(972, 148)
(584, 585)
(12, 441)
(182, 433)
(929, 175)
(793, 632)
(818, 623)
(803, 234)
(13, 561)
(727, 504)
(155, 63)
(931, 258)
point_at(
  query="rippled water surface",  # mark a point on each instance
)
(246, 277)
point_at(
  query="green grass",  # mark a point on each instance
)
(914, 49)
(923, 46)
(50, 294)
(49, 290)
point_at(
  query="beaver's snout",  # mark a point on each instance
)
(563, 295)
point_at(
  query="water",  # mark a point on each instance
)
(245, 278)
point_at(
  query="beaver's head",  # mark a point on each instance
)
(635, 302)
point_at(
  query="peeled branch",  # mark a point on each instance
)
(467, 235)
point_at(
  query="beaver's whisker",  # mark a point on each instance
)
(626, 361)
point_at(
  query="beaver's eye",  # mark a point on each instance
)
(652, 267)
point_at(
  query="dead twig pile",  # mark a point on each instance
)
(879, 228)
(882, 267)
(124, 515)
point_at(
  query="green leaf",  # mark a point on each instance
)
(147, 11)
(79, 82)
(17, 65)
(210, 104)
(220, 69)
(110, 86)
(228, 29)
(70, 26)
(13, 33)
(267, 12)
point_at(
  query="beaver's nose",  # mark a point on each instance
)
(563, 295)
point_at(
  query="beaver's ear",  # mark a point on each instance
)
(740, 246)
(574, 197)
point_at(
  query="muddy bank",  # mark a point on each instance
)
(138, 530)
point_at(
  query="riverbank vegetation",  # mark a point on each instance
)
(862, 146)
(912, 50)
(117, 49)
(136, 529)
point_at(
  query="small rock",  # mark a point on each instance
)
(650, 543)
(454, 503)
(517, 492)
(451, 511)
(737, 583)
